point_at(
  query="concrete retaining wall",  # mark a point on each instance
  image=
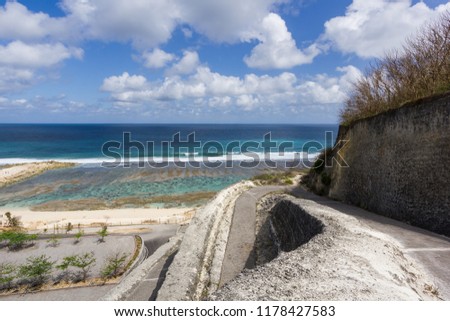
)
(201, 252)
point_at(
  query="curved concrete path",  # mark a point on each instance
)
(239, 251)
(148, 288)
(430, 250)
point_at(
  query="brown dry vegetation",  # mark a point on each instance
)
(420, 70)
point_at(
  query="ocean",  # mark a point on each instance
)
(175, 171)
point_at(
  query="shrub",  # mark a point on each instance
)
(103, 233)
(115, 265)
(17, 240)
(37, 269)
(7, 275)
(421, 69)
(53, 241)
(83, 262)
(78, 236)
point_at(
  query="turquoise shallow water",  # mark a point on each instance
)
(97, 183)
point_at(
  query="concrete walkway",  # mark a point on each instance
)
(239, 252)
(148, 288)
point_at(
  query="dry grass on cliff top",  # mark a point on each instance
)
(419, 70)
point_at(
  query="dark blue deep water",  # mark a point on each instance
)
(84, 142)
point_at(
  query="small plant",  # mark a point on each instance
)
(54, 241)
(84, 262)
(78, 236)
(69, 227)
(7, 275)
(37, 269)
(114, 266)
(12, 221)
(103, 233)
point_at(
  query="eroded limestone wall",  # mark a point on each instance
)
(399, 164)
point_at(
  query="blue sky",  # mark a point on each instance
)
(195, 61)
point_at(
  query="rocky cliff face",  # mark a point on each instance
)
(398, 165)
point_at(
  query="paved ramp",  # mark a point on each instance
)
(239, 254)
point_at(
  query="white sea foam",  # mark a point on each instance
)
(249, 157)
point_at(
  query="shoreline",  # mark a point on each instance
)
(11, 174)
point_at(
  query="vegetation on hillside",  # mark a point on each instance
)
(276, 177)
(420, 69)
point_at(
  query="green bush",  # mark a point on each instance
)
(78, 236)
(115, 265)
(7, 275)
(17, 240)
(83, 262)
(54, 240)
(37, 270)
(103, 233)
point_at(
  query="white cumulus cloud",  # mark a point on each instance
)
(219, 91)
(145, 24)
(123, 83)
(18, 53)
(186, 65)
(12, 79)
(225, 20)
(277, 48)
(157, 58)
(370, 28)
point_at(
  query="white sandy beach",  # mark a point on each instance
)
(41, 220)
